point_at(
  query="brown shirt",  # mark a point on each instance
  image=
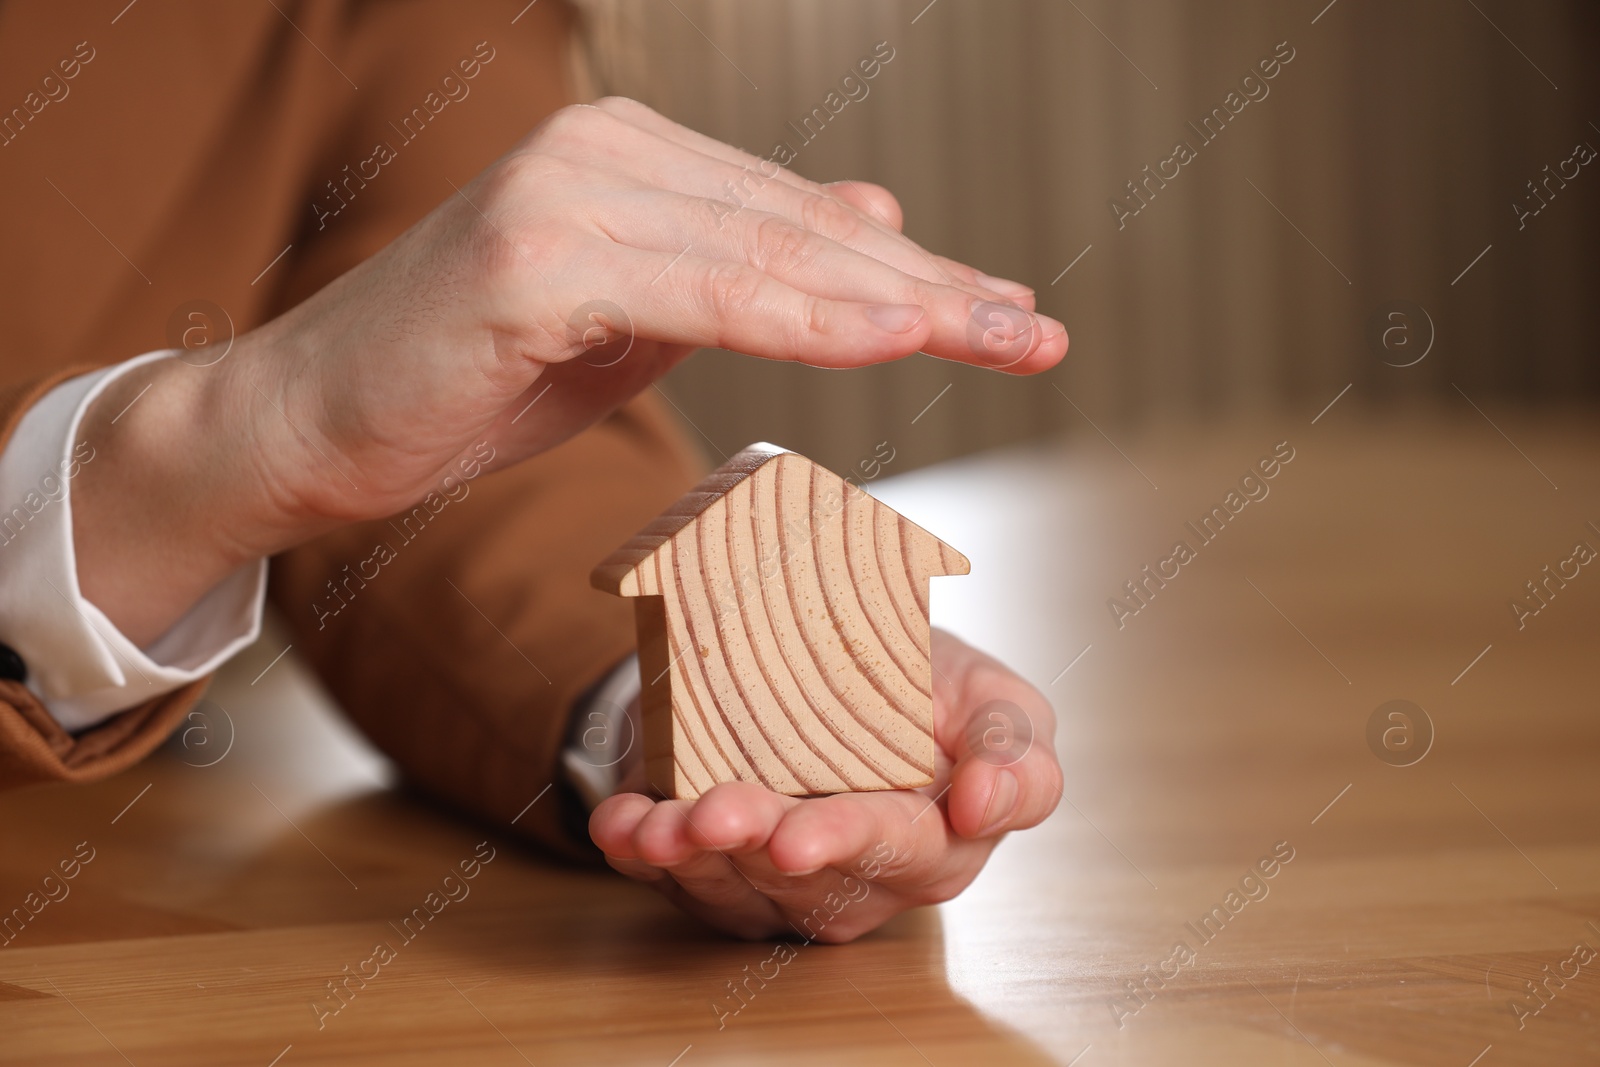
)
(155, 155)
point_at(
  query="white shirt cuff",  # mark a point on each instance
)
(603, 733)
(80, 665)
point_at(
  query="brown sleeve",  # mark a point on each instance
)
(458, 640)
(33, 746)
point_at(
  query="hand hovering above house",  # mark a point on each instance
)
(585, 263)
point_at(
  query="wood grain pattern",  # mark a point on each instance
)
(783, 633)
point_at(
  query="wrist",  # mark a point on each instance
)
(173, 503)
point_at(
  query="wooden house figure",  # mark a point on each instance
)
(783, 632)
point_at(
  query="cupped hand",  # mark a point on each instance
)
(755, 864)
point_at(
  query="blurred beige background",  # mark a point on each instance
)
(1384, 158)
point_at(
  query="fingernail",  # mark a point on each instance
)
(1050, 327)
(803, 872)
(1001, 801)
(895, 318)
(1003, 285)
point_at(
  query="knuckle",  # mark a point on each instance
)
(830, 217)
(881, 198)
(955, 273)
(730, 291)
(781, 246)
(622, 106)
(900, 867)
(887, 206)
(813, 318)
(573, 124)
(509, 256)
(935, 295)
(510, 179)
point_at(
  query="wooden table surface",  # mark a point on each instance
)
(234, 875)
